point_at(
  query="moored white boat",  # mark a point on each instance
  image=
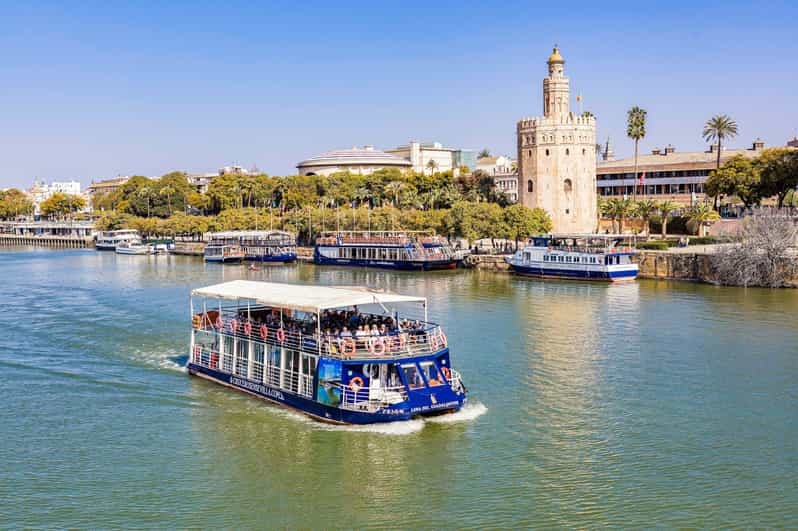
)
(134, 248)
(108, 240)
(580, 257)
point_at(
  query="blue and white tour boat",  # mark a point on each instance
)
(340, 355)
(582, 257)
(260, 245)
(386, 249)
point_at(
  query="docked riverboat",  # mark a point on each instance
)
(582, 257)
(306, 347)
(108, 240)
(385, 249)
(135, 248)
(261, 245)
(223, 253)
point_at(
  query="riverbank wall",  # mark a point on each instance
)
(189, 248)
(62, 242)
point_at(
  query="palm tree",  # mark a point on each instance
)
(701, 214)
(484, 153)
(636, 129)
(717, 129)
(665, 208)
(168, 191)
(645, 209)
(432, 165)
(620, 209)
(145, 192)
(394, 188)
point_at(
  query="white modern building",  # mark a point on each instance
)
(41, 191)
(500, 165)
(434, 157)
(363, 161)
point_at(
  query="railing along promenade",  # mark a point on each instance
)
(64, 234)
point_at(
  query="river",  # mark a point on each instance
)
(648, 403)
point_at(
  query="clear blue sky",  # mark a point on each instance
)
(91, 90)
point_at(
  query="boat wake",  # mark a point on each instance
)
(467, 413)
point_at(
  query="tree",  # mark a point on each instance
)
(588, 114)
(645, 209)
(700, 216)
(14, 203)
(394, 188)
(60, 204)
(636, 130)
(666, 207)
(432, 165)
(779, 172)
(485, 152)
(717, 129)
(619, 209)
(146, 193)
(762, 258)
(523, 222)
(167, 191)
(738, 176)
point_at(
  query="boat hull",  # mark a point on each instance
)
(275, 258)
(403, 265)
(574, 274)
(315, 409)
(105, 247)
(224, 259)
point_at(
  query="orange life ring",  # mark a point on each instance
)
(349, 347)
(377, 346)
(356, 384)
(446, 373)
(248, 328)
(219, 323)
(234, 326)
(281, 335)
(264, 332)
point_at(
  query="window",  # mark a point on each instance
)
(530, 186)
(431, 373)
(412, 376)
(547, 152)
(584, 151)
(530, 152)
(567, 151)
(568, 186)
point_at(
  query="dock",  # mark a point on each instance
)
(64, 234)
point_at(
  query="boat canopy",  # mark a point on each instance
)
(301, 297)
(249, 233)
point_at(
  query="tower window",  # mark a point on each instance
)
(567, 151)
(530, 152)
(568, 186)
(584, 151)
(547, 152)
(530, 186)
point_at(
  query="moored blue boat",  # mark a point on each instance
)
(579, 257)
(261, 245)
(293, 345)
(418, 251)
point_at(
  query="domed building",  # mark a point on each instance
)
(363, 161)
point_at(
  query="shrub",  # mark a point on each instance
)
(656, 245)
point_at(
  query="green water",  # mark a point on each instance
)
(671, 404)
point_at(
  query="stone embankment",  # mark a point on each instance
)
(487, 262)
(68, 242)
(189, 248)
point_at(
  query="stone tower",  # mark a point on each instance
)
(557, 158)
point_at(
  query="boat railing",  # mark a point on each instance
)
(359, 398)
(401, 344)
(591, 250)
(455, 381)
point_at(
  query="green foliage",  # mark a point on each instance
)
(738, 176)
(779, 172)
(60, 204)
(656, 245)
(719, 128)
(13, 203)
(522, 222)
(485, 152)
(636, 123)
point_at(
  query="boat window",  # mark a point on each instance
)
(412, 376)
(431, 373)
